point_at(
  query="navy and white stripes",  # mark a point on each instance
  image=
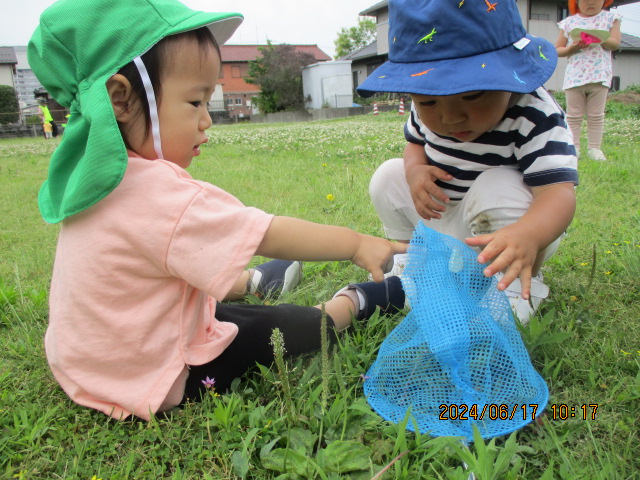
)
(532, 137)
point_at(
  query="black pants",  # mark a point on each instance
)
(300, 327)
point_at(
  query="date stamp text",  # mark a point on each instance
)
(494, 411)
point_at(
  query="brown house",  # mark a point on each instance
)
(238, 94)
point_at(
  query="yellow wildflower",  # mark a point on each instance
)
(330, 197)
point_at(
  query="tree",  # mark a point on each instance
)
(8, 105)
(278, 73)
(354, 38)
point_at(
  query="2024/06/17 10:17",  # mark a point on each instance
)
(560, 411)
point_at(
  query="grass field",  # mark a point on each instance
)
(311, 419)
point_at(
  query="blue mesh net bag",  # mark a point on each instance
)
(457, 359)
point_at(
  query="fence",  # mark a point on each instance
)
(30, 116)
(20, 131)
(26, 123)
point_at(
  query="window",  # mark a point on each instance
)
(228, 102)
(539, 16)
(540, 11)
(239, 101)
(563, 12)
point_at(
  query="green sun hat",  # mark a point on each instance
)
(77, 47)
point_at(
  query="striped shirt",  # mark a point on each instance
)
(532, 137)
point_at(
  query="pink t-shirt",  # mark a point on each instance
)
(134, 287)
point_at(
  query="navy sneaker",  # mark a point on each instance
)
(388, 295)
(275, 277)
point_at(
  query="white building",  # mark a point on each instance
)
(327, 85)
(25, 80)
(8, 64)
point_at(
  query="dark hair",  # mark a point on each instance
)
(156, 60)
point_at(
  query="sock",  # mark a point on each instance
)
(254, 280)
(401, 258)
(356, 297)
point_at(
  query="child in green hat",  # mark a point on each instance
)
(146, 254)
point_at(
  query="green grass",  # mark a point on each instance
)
(294, 421)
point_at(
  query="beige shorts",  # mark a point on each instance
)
(497, 198)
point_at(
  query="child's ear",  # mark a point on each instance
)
(121, 95)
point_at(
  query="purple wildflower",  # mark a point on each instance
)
(209, 382)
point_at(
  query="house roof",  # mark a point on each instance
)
(370, 50)
(8, 56)
(246, 53)
(372, 10)
(628, 42)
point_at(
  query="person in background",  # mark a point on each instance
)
(589, 71)
(47, 121)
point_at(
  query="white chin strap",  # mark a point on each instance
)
(153, 106)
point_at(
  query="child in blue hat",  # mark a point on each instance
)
(146, 254)
(489, 158)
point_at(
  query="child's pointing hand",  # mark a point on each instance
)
(376, 255)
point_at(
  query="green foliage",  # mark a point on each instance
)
(8, 105)
(561, 99)
(352, 39)
(33, 120)
(617, 108)
(633, 88)
(278, 73)
(620, 105)
(584, 341)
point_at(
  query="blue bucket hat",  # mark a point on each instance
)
(445, 47)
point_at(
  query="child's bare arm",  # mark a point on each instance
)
(427, 197)
(294, 239)
(514, 248)
(613, 42)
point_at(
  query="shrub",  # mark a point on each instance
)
(33, 120)
(8, 105)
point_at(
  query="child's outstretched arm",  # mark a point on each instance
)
(290, 238)
(515, 249)
(428, 198)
